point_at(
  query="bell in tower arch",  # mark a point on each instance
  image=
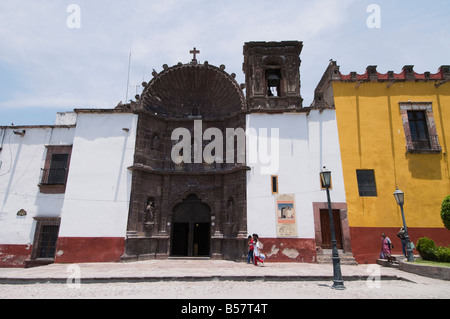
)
(273, 77)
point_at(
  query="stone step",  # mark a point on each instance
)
(189, 258)
(395, 261)
(326, 257)
(386, 263)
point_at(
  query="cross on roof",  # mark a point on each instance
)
(194, 52)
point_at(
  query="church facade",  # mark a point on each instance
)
(213, 164)
(183, 203)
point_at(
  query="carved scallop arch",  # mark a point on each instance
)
(202, 196)
(177, 90)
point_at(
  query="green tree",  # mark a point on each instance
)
(445, 212)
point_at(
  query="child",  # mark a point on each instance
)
(250, 250)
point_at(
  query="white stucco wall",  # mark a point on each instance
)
(307, 142)
(22, 158)
(96, 201)
(98, 191)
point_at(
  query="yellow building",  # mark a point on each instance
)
(394, 131)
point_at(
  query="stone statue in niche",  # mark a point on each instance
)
(155, 142)
(230, 212)
(149, 212)
(150, 207)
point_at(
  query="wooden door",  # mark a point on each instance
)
(326, 231)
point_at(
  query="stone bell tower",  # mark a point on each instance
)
(272, 76)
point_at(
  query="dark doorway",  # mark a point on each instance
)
(326, 230)
(191, 228)
(180, 239)
(201, 239)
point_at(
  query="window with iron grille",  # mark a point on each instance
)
(366, 182)
(56, 174)
(45, 238)
(420, 128)
(47, 241)
(56, 168)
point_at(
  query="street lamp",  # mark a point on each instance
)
(400, 199)
(338, 283)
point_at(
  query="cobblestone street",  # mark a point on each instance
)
(188, 279)
(389, 289)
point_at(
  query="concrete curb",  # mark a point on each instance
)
(191, 271)
(435, 272)
(59, 280)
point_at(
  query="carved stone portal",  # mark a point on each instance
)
(185, 209)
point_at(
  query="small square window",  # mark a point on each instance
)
(274, 180)
(366, 182)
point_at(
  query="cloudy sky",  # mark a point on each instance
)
(49, 65)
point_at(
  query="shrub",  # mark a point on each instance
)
(428, 250)
(442, 254)
(426, 247)
(445, 212)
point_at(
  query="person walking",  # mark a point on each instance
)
(256, 250)
(250, 250)
(386, 246)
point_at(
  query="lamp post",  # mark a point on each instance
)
(400, 198)
(338, 283)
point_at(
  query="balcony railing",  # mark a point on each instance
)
(421, 145)
(425, 145)
(54, 176)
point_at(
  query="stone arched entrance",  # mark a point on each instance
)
(191, 228)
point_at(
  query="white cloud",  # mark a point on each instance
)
(58, 67)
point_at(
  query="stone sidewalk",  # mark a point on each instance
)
(196, 270)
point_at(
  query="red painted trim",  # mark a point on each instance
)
(89, 249)
(289, 249)
(366, 241)
(14, 255)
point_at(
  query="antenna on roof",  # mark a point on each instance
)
(128, 80)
